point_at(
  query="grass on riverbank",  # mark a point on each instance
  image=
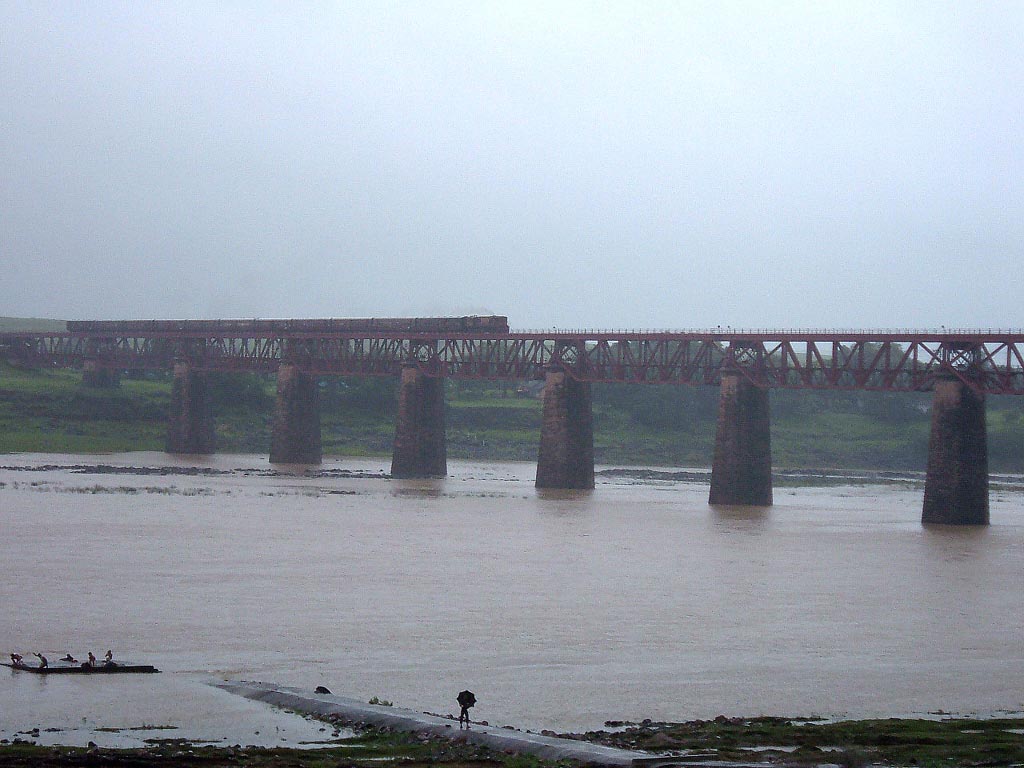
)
(772, 740)
(368, 750)
(50, 411)
(960, 742)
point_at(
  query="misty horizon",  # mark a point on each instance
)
(566, 165)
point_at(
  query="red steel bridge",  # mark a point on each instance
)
(990, 361)
(960, 367)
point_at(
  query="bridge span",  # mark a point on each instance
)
(960, 367)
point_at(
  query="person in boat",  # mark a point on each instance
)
(466, 700)
(16, 659)
(43, 663)
(69, 659)
(108, 656)
(91, 661)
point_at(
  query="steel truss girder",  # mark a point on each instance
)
(992, 364)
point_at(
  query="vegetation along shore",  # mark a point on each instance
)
(51, 411)
(768, 740)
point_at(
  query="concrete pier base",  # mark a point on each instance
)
(96, 376)
(190, 422)
(741, 473)
(566, 455)
(296, 432)
(419, 426)
(956, 486)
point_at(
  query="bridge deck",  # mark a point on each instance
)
(989, 361)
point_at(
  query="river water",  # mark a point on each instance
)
(559, 609)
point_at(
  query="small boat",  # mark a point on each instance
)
(116, 668)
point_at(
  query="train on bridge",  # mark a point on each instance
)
(415, 325)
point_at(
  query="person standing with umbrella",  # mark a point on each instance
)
(466, 700)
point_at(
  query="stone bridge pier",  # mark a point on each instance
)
(95, 376)
(419, 426)
(190, 421)
(956, 485)
(741, 471)
(566, 455)
(295, 438)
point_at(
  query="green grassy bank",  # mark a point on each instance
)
(50, 411)
(946, 742)
(767, 740)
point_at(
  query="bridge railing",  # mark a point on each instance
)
(725, 331)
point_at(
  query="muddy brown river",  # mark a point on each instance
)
(559, 610)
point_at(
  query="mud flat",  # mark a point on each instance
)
(780, 477)
(187, 471)
(812, 477)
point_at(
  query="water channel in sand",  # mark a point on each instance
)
(559, 609)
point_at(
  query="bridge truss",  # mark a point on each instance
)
(991, 362)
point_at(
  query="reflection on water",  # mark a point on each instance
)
(560, 609)
(428, 492)
(578, 496)
(956, 539)
(751, 519)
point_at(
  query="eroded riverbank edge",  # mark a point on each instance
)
(719, 742)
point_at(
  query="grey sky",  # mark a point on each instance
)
(567, 164)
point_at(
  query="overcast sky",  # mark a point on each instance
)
(621, 164)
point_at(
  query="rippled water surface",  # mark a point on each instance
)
(560, 610)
